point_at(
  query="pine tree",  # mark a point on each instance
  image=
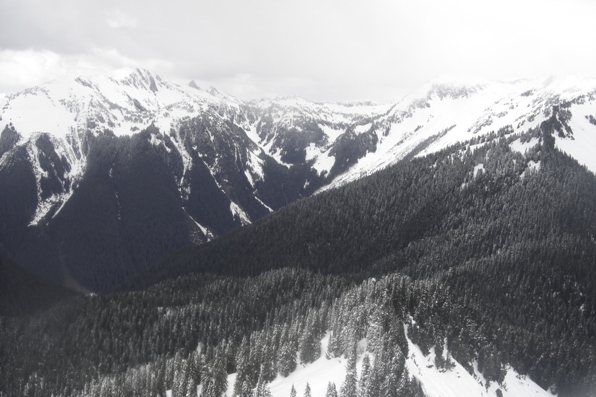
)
(350, 386)
(395, 378)
(262, 389)
(293, 391)
(310, 345)
(373, 385)
(267, 360)
(242, 366)
(220, 376)
(364, 377)
(286, 363)
(307, 390)
(331, 390)
(334, 347)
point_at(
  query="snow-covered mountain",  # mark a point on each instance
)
(117, 172)
(445, 112)
(148, 165)
(193, 122)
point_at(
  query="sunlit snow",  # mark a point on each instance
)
(455, 382)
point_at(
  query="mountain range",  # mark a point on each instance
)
(104, 176)
(440, 246)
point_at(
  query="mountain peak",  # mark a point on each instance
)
(139, 78)
(566, 83)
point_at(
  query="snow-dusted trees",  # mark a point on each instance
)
(331, 390)
(215, 382)
(307, 390)
(262, 389)
(364, 377)
(350, 385)
(286, 357)
(310, 342)
(395, 377)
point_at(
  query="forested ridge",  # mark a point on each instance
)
(478, 247)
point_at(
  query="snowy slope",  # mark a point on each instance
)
(124, 104)
(287, 124)
(339, 142)
(441, 113)
(131, 100)
(457, 381)
(435, 382)
(99, 142)
(226, 163)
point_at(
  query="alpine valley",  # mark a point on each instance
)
(158, 239)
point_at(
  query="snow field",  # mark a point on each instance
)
(456, 382)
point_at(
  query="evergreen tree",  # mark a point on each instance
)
(350, 385)
(220, 376)
(331, 390)
(310, 344)
(364, 377)
(286, 363)
(372, 387)
(262, 389)
(395, 377)
(307, 390)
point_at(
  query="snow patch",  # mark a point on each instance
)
(523, 147)
(534, 165)
(478, 169)
(206, 232)
(582, 145)
(252, 134)
(457, 381)
(254, 168)
(317, 374)
(323, 160)
(156, 140)
(238, 212)
(332, 133)
(263, 204)
(360, 129)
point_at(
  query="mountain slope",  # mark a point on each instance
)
(76, 156)
(107, 175)
(468, 265)
(21, 293)
(509, 235)
(445, 112)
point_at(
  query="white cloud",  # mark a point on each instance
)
(320, 49)
(117, 19)
(27, 68)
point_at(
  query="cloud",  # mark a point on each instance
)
(25, 68)
(20, 69)
(321, 49)
(117, 20)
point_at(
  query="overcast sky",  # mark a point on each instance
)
(318, 49)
